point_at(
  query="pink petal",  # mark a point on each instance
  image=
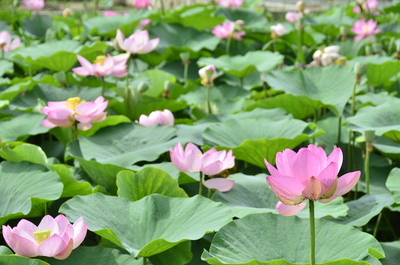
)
(49, 223)
(84, 126)
(62, 222)
(220, 184)
(120, 39)
(346, 183)
(336, 156)
(80, 230)
(328, 175)
(285, 161)
(48, 124)
(314, 189)
(284, 186)
(288, 210)
(51, 246)
(82, 71)
(66, 252)
(213, 168)
(150, 46)
(23, 246)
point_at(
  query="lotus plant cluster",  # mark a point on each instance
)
(152, 133)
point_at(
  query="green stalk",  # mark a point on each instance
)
(103, 86)
(312, 233)
(144, 261)
(185, 73)
(339, 130)
(208, 88)
(209, 194)
(201, 184)
(228, 45)
(377, 224)
(353, 101)
(366, 168)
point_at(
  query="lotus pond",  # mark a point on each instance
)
(205, 134)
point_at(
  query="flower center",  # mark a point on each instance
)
(100, 60)
(366, 28)
(42, 235)
(73, 102)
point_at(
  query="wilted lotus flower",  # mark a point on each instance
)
(365, 29)
(210, 163)
(103, 66)
(6, 44)
(142, 4)
(165, 118)
(208, 74)
(137, 43)
(230, 3)
(326, 56)
(74, 110)
(33, 4)
(54, 237)
(308, 174)
(278, 30)
(367, 5)
(292, 16)
(228, 30)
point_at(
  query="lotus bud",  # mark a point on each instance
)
(397, 46)
(343, 32)
(184, 56)
(142, 87)
(377, 48)
(300, 6)
(369, 137)
(67, 12)
(167, 88)
(360, 69)
(209, 73)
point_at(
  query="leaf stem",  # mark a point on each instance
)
(144, 261)
(312, 232)
(208, 88)
(201, 184)
(366, 168)
(228, 45)
(377, 224)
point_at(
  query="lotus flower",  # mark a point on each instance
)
(326, 56)
(103, 66)
(230, 3)
(367, 5)
(208, 74)
(278, 30)
(142, 4)
(308, 174)
(137, 43)
(165, 118)
(6, 44)
(33, 4)
(74, 110)
(53, 237)
(210, 163)
(292, 16)
(365, 29)
(228, 31)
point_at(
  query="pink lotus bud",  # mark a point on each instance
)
(137, 43)
(33, 4)
(165, 118)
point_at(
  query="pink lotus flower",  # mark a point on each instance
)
(208, 74)
(144, 23)
(165, 118)
(142, 4)
(33, 4)
(326, 56)
(278, 30)
(103, 66)
(74, 110)
(210, 163)
(6, 44)
(365, 29)
(292, 16)
(228, 31)
(137, 43)
(230, 3)
(308, 174)
(53, 237)
(367, 5)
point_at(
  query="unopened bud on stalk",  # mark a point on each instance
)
(185, 56)
(167, 88)
(209, 74)
(343, 32)
(360, 70)
(397, 46)
(67, 12)
(369, 137)
(142, 87)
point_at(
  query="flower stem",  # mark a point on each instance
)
(209, 194)
(339, 130)
(228, 45)
(353, 101)
(366, 169)
(144, 261)
(185, 73)
(377, 224)
(103, 86)
(208, 88)
(201, 184)
(312, 233)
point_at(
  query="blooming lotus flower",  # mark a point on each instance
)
(137, 43)
(230, 3)
(33, 4)
(208, 74)
(53, 237)
(367, 5)
(278, 30)
(6, 44)
(228, 31)
(308, 174)
(165, 118)
(326, 56)
(292, 16)
(365, 29)
(74, 110)
(103, 66)
(142, 4)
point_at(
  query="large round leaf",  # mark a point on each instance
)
(259, 238)
(20, 182)
(256, 139)
(19, 260)
(241, 66)
(251, 18)
(125, 144)
(151, 225)
(332, 85)
(393, 184)
(252, 195)
(149, 180)
(21, 126)
(392, 252)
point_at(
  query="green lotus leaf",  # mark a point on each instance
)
(157, 78)
(20, 182)
(72, 186)
(267, 238)
(378, 74)
(241, 66)
(332, 85)
(392, 252)
(24, 152)
(252, 19)
(151, 225)
(393, 184)
(18, 128)
(19, 260)
(6, 67)
(135, 186)
(36, 26)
